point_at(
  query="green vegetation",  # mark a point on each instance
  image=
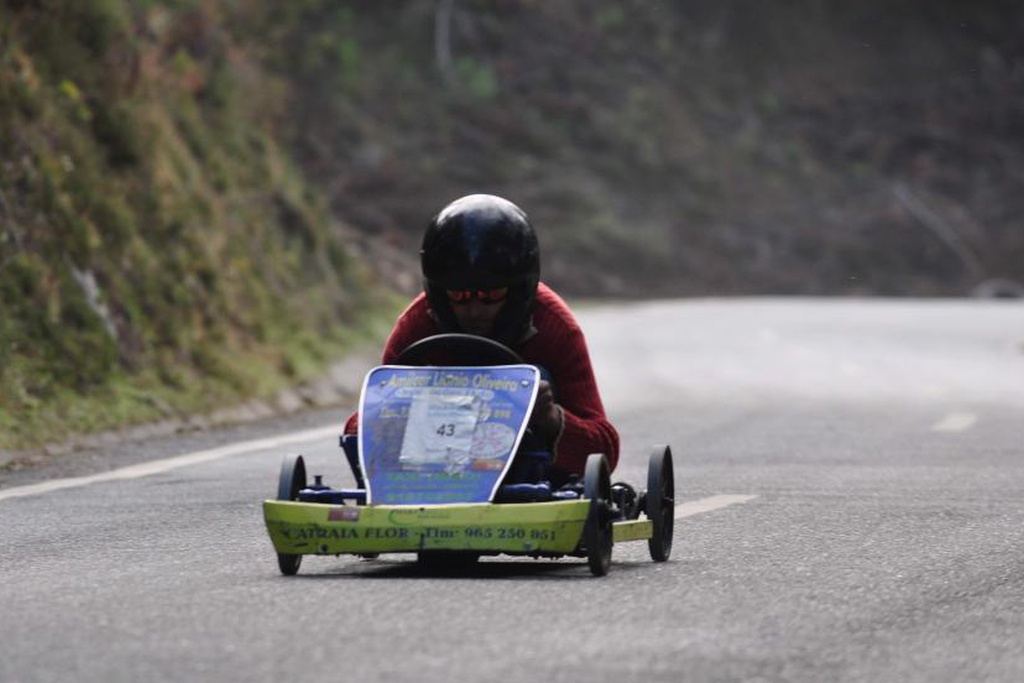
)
(161, 253)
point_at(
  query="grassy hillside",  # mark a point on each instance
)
(160, 252)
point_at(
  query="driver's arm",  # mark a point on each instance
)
(412, 325)
(559, 347)
(585, 428)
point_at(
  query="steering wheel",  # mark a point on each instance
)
(457, 349)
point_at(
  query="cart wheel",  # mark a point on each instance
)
(660, 502)
(291, 480)
(597, 532)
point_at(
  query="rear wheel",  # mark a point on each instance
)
(597, 531)
(660, 502)
(291, 480)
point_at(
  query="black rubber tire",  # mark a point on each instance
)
(457, 349)
(660, 502)
(597, 530)
(291, 480)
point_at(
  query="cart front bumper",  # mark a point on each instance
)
(523, 528)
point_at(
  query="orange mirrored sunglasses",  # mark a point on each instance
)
(484, 296)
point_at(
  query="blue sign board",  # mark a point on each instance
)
(432, 435)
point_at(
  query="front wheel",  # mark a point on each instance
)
(660, 502)
(291, 480)
(597, 530)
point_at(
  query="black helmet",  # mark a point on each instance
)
(482, 242)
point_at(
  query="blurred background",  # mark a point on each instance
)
(202, 202)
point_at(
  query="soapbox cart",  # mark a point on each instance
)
(445, 467)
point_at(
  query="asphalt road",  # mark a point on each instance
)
(852, 476)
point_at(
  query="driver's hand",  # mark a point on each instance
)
(547, 415)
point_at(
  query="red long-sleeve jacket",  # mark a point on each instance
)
(558, 346)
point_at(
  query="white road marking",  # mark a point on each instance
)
(145, 469)
(696, 507)
(158, 466)
(955, 422)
